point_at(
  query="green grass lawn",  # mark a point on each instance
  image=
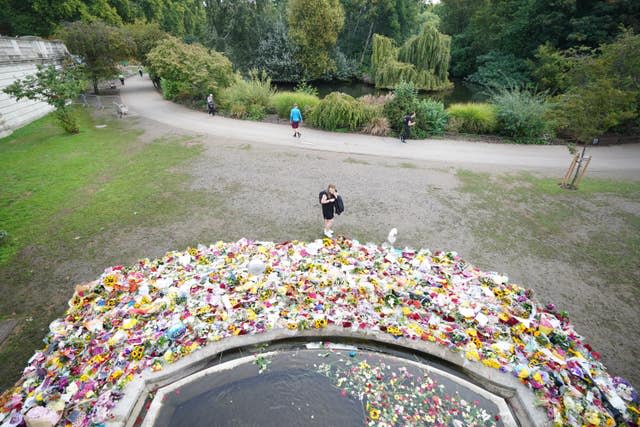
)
(57, 187)
(61, 196)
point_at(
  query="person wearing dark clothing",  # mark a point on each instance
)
(339, 206)
(211, 105)
(140, 71)
(328, 201)
(407, 122)
(121, 77)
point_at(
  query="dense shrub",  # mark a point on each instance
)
(472, 118)
(431, 118)
(282, 102)
(378, 126)
(189, 70)
(379, 100)
(238, 111)
(253, 94)
(405, 100)
(521, 114)
(339, 111)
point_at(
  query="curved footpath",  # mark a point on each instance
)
(612, 161)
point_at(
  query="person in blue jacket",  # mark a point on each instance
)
(295, 118)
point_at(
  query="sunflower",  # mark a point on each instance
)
(137, 353)
(110, 280)
(321, 323)
(374, 414)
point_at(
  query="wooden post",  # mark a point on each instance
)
(587, 160)
(572, 167)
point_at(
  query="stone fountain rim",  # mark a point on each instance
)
(519, 397)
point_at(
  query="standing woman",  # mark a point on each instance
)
(328, 201)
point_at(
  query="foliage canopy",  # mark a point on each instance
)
(188, 71)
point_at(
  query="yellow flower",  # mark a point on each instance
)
(192, 251)
(137, 353)
(473, 355)
(395, 331)
(374, 414)
(321, 323)
(115, 375)
(110, 280)
(492, 363)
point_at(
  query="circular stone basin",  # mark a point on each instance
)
(319, 385)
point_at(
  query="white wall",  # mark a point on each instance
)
(18, 58)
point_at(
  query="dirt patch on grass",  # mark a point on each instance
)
(570, 249)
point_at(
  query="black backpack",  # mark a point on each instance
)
(320, 196)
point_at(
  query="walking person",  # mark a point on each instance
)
(330, 200)
(407, 121)
(295, 118)
(121, 77)
(211, 105)
(140, 70)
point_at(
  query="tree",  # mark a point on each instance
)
(422, 60)
(314, 26)
(99, 45)
(277, 55)
(188, 71)
(55, 87)
(236, 28)
(604, 90)
(396, 19)
(144, 36)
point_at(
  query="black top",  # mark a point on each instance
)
(407, 120)
(327, 208)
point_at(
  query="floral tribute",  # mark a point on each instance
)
(153, 313)
(396, 396)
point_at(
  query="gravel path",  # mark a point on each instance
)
(613, 161)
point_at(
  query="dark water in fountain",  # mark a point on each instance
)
(461, 91)
(318, 388)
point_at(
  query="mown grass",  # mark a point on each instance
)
(56, 186)
(58, 194)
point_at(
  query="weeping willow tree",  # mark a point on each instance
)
(422, 60)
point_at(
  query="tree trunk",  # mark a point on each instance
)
(366, 45)
(95, 86)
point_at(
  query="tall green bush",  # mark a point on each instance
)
(405, 100)
(472, 118)
(253, 95)
(431, 118)
(521, 114)
(282, 102)
(339, 111)
(192, 70)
